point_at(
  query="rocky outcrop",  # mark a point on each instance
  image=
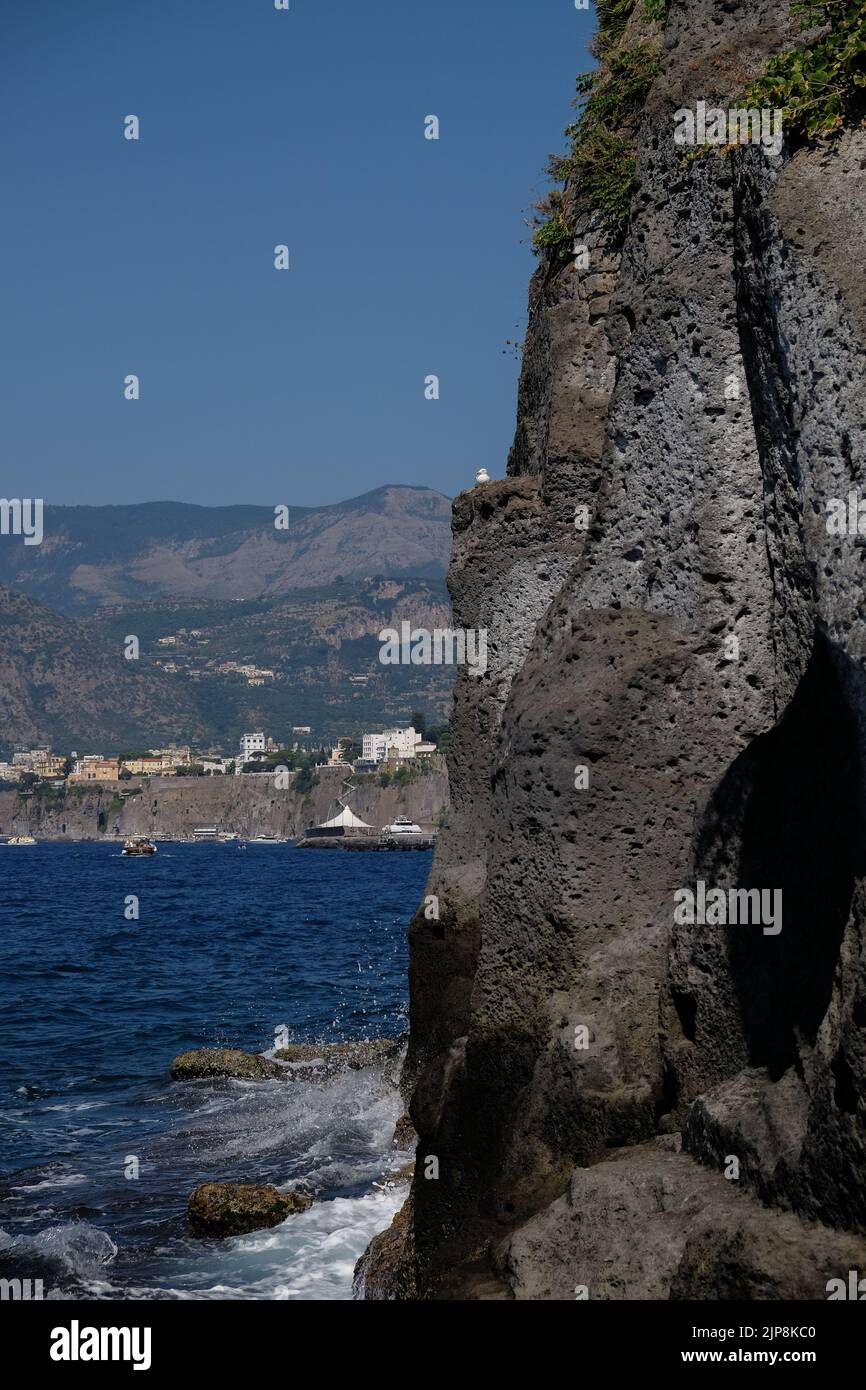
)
(215, 1062)
(650, 1223)
(298, 1061)
(218, 1209)
(383, 1272)
(674, 695)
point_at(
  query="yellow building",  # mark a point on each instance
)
(49, 765)
(150, 765)
(95, 769)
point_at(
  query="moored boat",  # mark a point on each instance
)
(402, 826)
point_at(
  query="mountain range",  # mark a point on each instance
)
(92, 557)
(239, 625)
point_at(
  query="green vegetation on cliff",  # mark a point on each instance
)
(820, 86)
(601, 164)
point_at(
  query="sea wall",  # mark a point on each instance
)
(245, 806)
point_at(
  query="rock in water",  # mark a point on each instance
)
(233, 1208)
(225, 1061)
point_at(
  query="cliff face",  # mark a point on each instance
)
(244, 806)
(699, 387)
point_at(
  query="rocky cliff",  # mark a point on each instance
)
(622, 1104)
(244, 806)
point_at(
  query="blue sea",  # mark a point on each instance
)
(228, 946)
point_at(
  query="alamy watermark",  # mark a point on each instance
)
(22, 516)
(846, 516)
(712, 126)
(720, 907)
(21, 1290)
(419, 646)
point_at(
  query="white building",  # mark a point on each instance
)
(250, 745)
(375, 747)
(215, 764)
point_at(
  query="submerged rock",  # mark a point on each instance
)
(224, 1061)
(234, 1208)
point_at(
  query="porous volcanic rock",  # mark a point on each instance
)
(674, 694)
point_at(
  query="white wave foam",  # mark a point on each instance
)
(310, 1257)
(81, 1249)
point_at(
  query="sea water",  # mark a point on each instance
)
(99, 1149)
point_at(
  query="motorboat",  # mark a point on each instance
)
(402, 826)
(138, 844)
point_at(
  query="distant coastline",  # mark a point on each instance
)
(172, 807)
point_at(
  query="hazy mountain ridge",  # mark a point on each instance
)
(114, 555)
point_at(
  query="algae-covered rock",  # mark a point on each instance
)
(224, 1061)
(233, 1208)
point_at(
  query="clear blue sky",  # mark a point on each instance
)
(408, 256)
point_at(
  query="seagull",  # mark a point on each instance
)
(482, 476)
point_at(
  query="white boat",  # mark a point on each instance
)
(403, 826)
(266, 838)
(21, 840)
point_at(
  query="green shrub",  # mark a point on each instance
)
(821, 86)
(601, 162)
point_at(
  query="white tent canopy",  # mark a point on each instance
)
(346, 820)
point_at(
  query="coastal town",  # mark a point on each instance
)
(257, 754)
(363, 792)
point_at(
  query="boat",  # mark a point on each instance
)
(21, 840)
(402, 826)
(266, 838)
(138, 844)
(211, 834)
